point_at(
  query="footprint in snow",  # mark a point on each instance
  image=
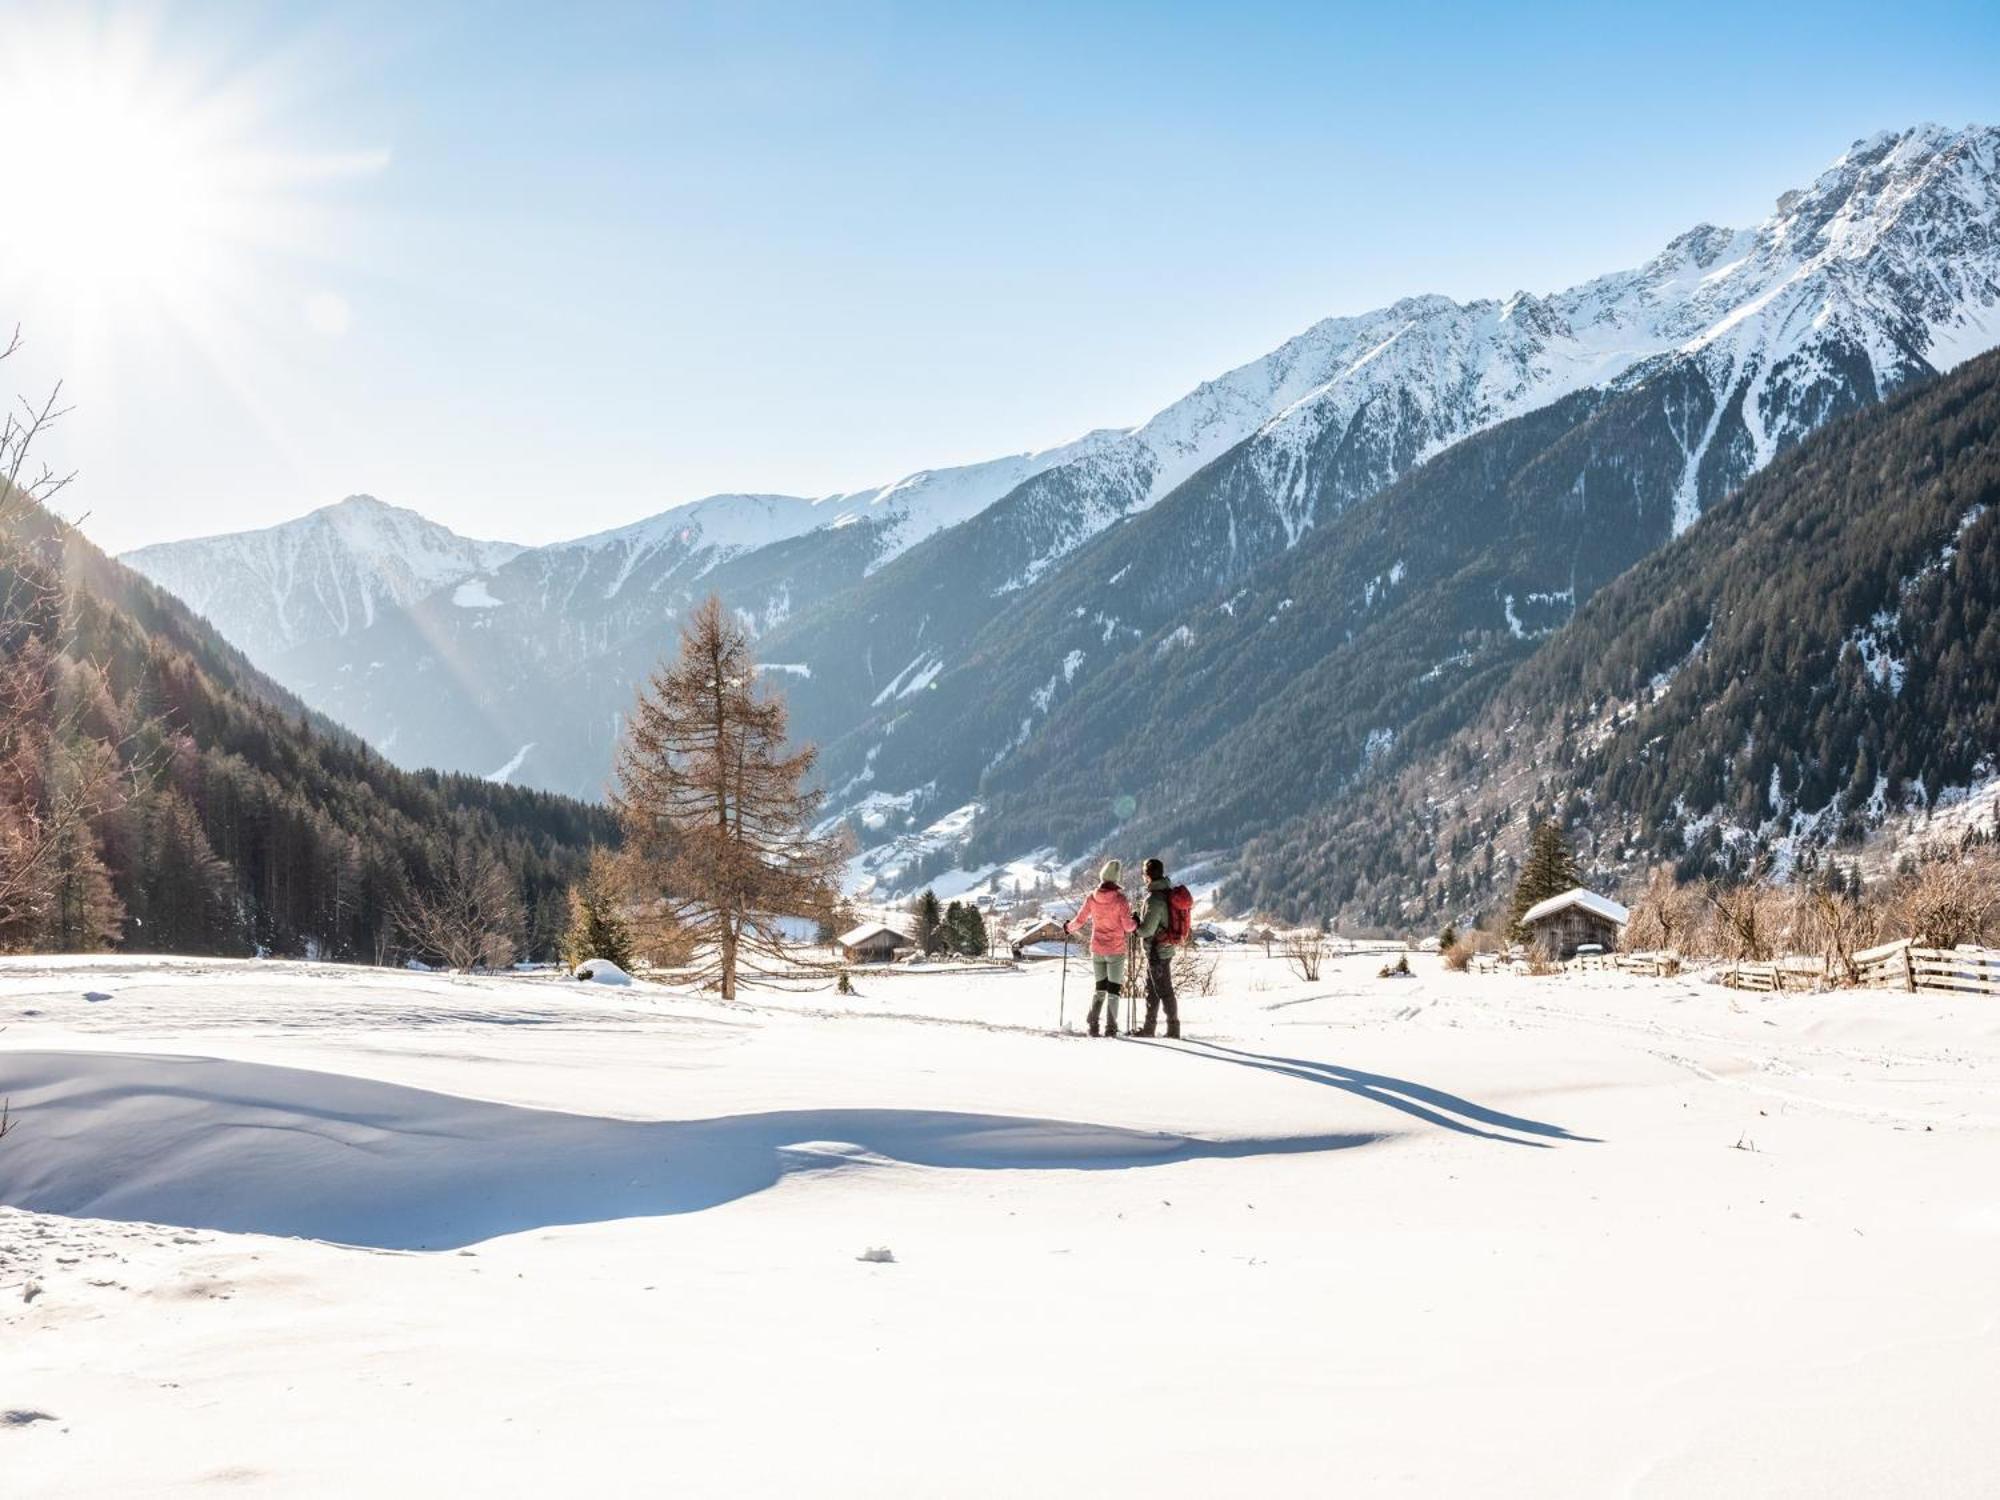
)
(93, 996)
(21, 1416)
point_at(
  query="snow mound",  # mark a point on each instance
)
(602, 971)
(250, 1148)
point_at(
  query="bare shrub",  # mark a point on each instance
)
(1664, 916)
(1948, 899)
(1305, 951)
(1458, 957)
(1746, 921)
(468, 916)
(1194, 971)
(1834, 922)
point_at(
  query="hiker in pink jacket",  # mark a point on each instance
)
(1110, 917)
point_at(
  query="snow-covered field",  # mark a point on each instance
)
(283, 1228)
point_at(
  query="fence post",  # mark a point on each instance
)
(1909, 968)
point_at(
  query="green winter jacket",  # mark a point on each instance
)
(1153, 915)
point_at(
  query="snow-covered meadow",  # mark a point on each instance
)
(313, 1230)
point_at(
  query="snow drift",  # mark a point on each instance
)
(251, 1148)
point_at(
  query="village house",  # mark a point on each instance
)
(1045, 930)
(873, 943)
(1576, 919)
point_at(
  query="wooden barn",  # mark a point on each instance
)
(1045, 931)
(873, 943)
(1577, 918)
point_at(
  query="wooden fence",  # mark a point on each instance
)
(1660, 965)
(1897, 966)
(1946, 971)
(1783, 974)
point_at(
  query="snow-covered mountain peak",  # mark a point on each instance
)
(325, 573)
(728, 520)
(904, 512)
(1893, 252)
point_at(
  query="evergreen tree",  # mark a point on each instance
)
(82, 913)
(968, 930)
(715, 808)
(1549, 870)
(929, 922)
(182, 900)
(597, 925)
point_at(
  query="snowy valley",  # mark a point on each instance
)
(1122, 751)
(948, 639)
(319, 1230)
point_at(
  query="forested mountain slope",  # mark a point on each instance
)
(1822, 651)
(166, 796)
(1649, 395)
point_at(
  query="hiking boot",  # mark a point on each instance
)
(1147, 1030)
(1173, 1031)
(1110, 1027)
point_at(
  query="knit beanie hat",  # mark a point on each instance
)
(1110, 873)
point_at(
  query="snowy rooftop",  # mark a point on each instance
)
(868, 930)
(1590, 901)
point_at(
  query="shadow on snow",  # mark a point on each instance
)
(1416, 1099)
(246, 1147)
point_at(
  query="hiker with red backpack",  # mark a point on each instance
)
(1165, 922)
(1110, 917)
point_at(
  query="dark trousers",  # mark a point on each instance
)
(1160, 985)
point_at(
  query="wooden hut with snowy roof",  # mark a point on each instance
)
(873, 943)
(1576, 919)
(1037, 938)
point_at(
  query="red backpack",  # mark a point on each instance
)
(1180, 916)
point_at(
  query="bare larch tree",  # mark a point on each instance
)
(33, 631)
(716, 813)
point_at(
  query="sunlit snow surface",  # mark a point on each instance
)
(1451, 1234)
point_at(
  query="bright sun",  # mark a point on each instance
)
(135, 187)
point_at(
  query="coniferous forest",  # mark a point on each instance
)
(1822, 649)
(158, 794)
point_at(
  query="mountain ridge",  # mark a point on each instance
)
(924, 665)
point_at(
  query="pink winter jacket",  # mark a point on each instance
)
(1110, 917)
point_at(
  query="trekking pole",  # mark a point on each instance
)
(1131, 983)
(1062, 989)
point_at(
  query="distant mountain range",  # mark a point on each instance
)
(1284, 585)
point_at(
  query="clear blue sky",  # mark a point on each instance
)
(549, 268)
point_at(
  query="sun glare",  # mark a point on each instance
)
(139, 187)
